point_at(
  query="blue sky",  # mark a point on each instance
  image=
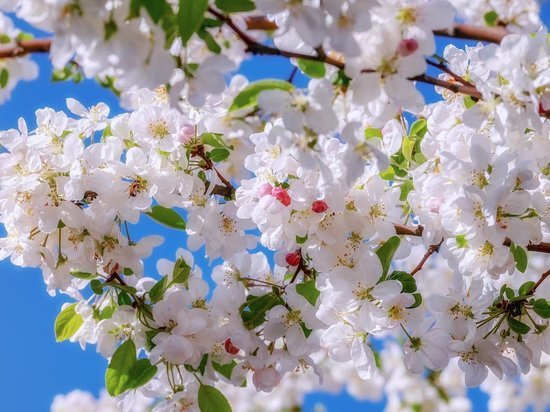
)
(36, 368)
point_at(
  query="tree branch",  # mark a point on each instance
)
(431, 250)
(24, 47)
(541, 279)
(543, 247)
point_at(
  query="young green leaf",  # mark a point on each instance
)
(408, 282)
(67, 323)
(385, 253)
(4, 77)
(225, 370)
(212, 400)
(520, 257)
(419, 128)
(309, 291)
(517, 326)
(126, 372)
(190, 17)
(218, 155)
(235, 6)
(157, 291)
(491, 18)
(181, 271)
(525, 288)
(312, 68)
(542, 308)
(248, 97)
(167, 217)
(253, 311)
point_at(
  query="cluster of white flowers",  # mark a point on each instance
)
(348, 196)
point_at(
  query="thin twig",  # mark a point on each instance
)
(543, 247)
(431, 250)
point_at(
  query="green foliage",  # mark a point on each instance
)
(248, 97)
(4, 78)
(517, 326)
(312, 68)
(212, 400)
(190, 18)
(253, 311)
(167, 217)
(67, 323)
(491, 18)
(542, 308)
(386, 252)
(235, 6)
(408, 282)
(309, 291)
(520, 257)
(126, 372)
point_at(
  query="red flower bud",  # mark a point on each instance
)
(293, 259)
(319, 206)
(407, 47)
(230, 348)
(281, 195)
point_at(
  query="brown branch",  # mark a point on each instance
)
(543, 247)
(445, 69)
(431, 250)
(454, 87)
(458, 31)
(24, 47)
(536, 285)
(469, 32)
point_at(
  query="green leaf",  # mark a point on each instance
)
(312, 68)
(181, 271)
(417, 301)
(408, 282)
(5, 39)
(117, 376)
(253, 311)
(469, 102)
(67, 323)
(385, 253)
(371, 132)
(388, 174)
(235, 6)
(156, 8)
(419, 128)
(209, 40)
(212, 400)
(248, 97)
(219, 155)
(301, 240)
(213, 139)
(126, 372)
(406, 187)
(526, 288)
(225, 370)
(124, 299)
(520, 257)
(517, 326)
(4, 77)
(157, 292)
(407, 147)
(82, 275)
(542, 308)
(97, 286)
(309, 291)
(109, 29)
(491, 18)
(190, 17)
(167, 217)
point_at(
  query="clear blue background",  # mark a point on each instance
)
(35, 368)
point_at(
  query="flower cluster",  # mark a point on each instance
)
(348, 185)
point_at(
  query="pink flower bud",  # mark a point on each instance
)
(186, 133)
(266, 379)
(433, 204)
(407, 47)
(230, 348)
(293, 258)
(319, 206)
(281, 195)
(265, 189)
